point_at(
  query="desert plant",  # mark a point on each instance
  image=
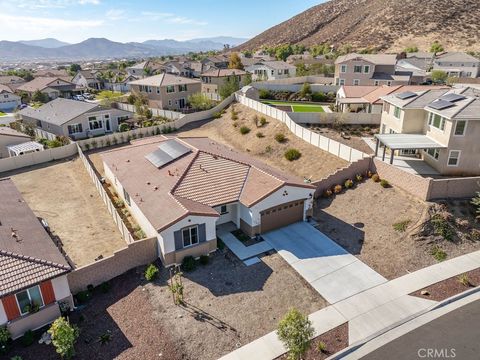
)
(28, 338)
(204, 259)
(358, 178)
(281, 138)
(337, 189)
(295, 331)
(244, 130)
(268, 149)
(105, 337)
(87, 146)
(260, 135)
(475, 235)
(263, 121)
(464, 280)
(322, 347)
(189, 263)
(376, 177)
(217, 115)
(151, 272)
(292, 154)
(476, 203)
(327, 193)
(384, 183)
(5, 338)
(401, 226)
(348, 184)
(176, 287)
(64, 337)
(438, 254)
(442, 227)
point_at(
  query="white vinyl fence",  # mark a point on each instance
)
(333, 147)
(106, 199)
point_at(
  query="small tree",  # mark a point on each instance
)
(235, 62)
(230, 85)
(476, 203)
(436, 47)
(199, 102)
(439, 76)
(306, 91)
(64, 337)
(295, 331)
(38, 96)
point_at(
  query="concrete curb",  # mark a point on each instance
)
(350, 349)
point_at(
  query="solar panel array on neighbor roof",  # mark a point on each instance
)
(167, 152)
(453, 97)
(440, 104)
(405, 95)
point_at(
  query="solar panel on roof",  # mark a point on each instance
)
(405, 95)
(167, 152)
(453, 97)
(440, 104)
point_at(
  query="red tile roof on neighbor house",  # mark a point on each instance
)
(28, 255)
(208, 176)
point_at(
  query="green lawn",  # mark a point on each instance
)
(2, 113)
(296, 106)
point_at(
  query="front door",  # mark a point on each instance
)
(107, 125)
(181, 103)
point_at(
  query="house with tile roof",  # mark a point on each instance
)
(180, 189)
(369, 69)
(8, 99)
(271, 70)
(166, 91)
(457, 64)
(12, 81)
(75, 119)
(87, 79)
(214, 78)
(54, 87)
(442, 126)
(33, 271)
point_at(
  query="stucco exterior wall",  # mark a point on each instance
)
(6, 140)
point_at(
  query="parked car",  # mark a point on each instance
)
(78, 97)
(22, 106)
(88, 96)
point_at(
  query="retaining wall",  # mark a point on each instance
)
(454, 188)
(136, 254)
(329, 118)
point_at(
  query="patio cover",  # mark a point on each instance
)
(24, 148)
(408, 141)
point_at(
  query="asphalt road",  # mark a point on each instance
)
(455, 335)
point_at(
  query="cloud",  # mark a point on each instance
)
(171, 18)
(115, 14)
(42, 26)
(52, 4)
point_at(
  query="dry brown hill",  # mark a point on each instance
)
(383, 24)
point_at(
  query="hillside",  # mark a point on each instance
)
(384, 24)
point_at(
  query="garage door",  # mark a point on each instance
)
(282, 215)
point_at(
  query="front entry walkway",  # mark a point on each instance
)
(325, 265)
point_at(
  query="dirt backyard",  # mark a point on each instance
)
(260, 142)
(227, 305)
(64, 195)
(381, 226)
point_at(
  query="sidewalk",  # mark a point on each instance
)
(372, 311)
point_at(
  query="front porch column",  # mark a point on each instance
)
(376, 147)
(384, 151)
(392, 152)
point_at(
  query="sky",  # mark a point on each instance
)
(76, 20)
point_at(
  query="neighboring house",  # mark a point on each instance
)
(214, 78)
(144, 69)
(54, 87)
(120, 83)
(418, 69)
(62, 73)
(176, 68)
(76, 119)
(271, 70)
(10, 137)
(86, 79)
(458, 64)
(299, 57)
(33, 272)
(440, 125)
(218, 61)
(167, 91)
(11, 81)
(180, 189)
(368, 69)
(8, 99)
(368, 99)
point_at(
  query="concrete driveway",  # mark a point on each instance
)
(325, 265)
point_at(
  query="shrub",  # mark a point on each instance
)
(263, 121)
(264, 94)
(105, 287)
(322, 347)
(327, 193)
(475, 235)
(464, 280)
(442, 227)
(204, 259)
(83, 296)
(476, 203)
(268, 149)
(244, 130)
(376, 177)
(438, 254)
(189, 263)
(5, 338)
(348, 184)
(28, 338)
(384, 183)
(401, 226)
(151, 272)
(123, 127)
(337, 189)
(358, 178)
(281, 138)
(64, 337)
(260, 135)
(295, 331)
(105, 337)
(217, 115)
(292, 154)
(369, 174)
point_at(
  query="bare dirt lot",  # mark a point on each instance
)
(314, 163)
(361, 220)
(226, 306)
(63, 194)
